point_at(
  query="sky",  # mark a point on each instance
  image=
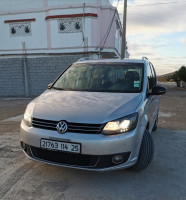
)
(156, 29)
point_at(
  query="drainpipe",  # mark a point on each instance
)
(25, 69)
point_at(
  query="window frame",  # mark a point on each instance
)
(148, 81)
(154, 74)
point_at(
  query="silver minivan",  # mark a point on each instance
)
(97, 115)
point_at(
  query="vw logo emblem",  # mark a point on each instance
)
(62, 127)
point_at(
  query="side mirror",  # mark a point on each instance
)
(50, 85)
(158, 90)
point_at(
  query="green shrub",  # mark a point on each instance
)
(179, 76)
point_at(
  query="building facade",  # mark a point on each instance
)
(40, 38)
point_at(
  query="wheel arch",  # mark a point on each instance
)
(147, 127)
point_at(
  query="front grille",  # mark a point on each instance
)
(59, 157)
(44, 124)
(72, 127)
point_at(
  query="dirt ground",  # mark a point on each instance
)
(173, 109)
(11, 107)
(164, 179)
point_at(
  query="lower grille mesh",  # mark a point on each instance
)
(65, 158)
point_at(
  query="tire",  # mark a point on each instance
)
(145, 154)
(155, 124)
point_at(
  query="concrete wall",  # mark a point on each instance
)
(40, 72)
(11, 77)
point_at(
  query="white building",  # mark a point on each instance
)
(40, 38)
(59, 26)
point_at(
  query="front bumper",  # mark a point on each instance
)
(96, 153)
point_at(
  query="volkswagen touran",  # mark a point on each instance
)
(97, 115)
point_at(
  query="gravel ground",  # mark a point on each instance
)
(164, 179)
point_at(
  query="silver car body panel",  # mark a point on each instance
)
(79, 107)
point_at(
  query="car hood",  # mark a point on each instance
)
(84, 107)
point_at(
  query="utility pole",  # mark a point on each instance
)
(123, 44)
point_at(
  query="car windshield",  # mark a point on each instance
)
(107, 77)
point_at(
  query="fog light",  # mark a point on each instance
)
(117, 159)
(23, 145)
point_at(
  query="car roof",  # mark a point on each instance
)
(126, 60)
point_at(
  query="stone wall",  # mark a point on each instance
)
(40, 71)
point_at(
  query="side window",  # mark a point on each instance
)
(154, 75)
(150, 78)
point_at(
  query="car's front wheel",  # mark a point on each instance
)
(146, 153)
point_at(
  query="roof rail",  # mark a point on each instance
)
(83, 59)
(143, 58)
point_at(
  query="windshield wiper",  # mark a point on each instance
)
(56, 88)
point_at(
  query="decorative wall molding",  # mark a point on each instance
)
(22, 29)
(49, 8)
(20, 20)
(70, 25)
(71, 16)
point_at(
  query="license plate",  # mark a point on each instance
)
(61, 146)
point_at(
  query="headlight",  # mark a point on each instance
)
(28, 114)
(121, 125)
(27, 119)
